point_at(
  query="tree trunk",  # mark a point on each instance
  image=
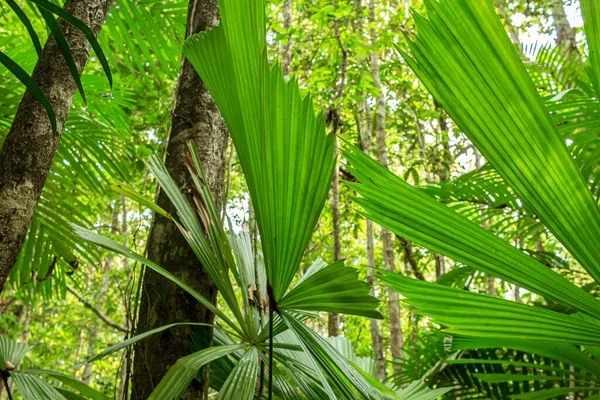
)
(396, 338)
(443, 172)
(365, 132)
(333, 324)
(29, 147)
(87, 374)
(565, 34)
(333, 117)
(195, 117)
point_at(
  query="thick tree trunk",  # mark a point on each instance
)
(396, 339)
(29, 148)
(197, 118)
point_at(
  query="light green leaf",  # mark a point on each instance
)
(30, 387)
(335, 288)
(477, 315)
(423, 220)
(181, 374)
(465, 58)
(241, 382)
(82, 388)
(137, 338)
(12, 352)
(131, 193)
(418, 390)
(286, 156)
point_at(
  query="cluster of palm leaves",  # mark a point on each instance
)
(262, 347)
(464, 57)
(288, 164)
(28, 382)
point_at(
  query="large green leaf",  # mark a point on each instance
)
(333, 369)
(181, 374)
(241, 382)
(137, 338)
(465, 58)
(590, 10)
(420, 218)
(418, 390)
(335, 288)
(82, 388)
(30, 387)
(286, 156)
(478, 315)
(12, 352)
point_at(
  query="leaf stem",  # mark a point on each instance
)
(271, 308)
(5, 380)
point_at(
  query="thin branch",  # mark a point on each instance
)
(99, 313)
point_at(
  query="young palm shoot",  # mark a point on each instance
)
(287, 159)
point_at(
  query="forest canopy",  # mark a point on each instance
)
(246, 199)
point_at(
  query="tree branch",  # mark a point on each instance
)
(99, 313)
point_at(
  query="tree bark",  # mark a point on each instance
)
(396, 339)
(565, 34)
(333, 324)
(30, 146)
(195, 117)
(365, 132)
(333, 117)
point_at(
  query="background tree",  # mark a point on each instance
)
(194, 117)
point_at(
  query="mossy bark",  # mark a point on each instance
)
(195, 117)
(30, 146)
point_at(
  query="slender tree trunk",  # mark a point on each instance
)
(333, 324)
(565, 34)
(396, 338)
(29, 148)
(197, 118)
(365, 132)
(100, 299)
(124, 369)
(443, 172)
